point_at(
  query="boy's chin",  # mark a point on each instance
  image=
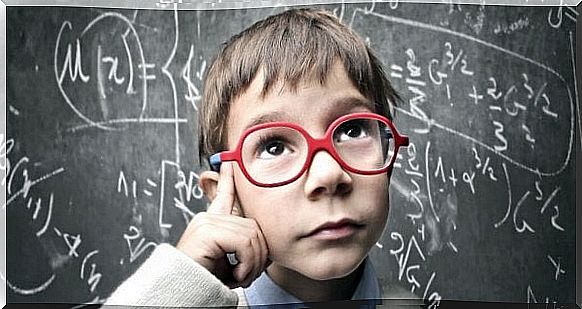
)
(335, 268)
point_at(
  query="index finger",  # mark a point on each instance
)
(225, 194)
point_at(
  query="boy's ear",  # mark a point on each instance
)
(208, 183)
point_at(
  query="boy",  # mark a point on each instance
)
(292, 122)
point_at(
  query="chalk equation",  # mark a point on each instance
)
(490, 159)
(445, 88)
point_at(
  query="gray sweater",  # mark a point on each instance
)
(169, 278)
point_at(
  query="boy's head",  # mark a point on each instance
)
(289, 47)
(302, 67)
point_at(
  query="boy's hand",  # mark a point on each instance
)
(221, 230)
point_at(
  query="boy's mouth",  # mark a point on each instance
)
(335, 230)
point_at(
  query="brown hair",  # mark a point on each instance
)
(288, 47)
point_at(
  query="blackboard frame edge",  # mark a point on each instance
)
(578, 172)
(578, 168)
(578, 161)
(3, 285)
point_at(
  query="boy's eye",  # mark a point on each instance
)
(271, 149)
(350, 130)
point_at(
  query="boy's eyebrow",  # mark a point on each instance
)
(269, 117)
(347, 104)
(350, 102)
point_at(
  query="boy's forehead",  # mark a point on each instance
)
(329, 98)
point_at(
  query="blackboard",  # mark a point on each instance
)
(101, 147)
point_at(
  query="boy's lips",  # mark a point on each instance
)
(334, 230)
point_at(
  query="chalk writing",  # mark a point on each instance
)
(93, 277)
(453, 60)
(556, 15)
(557, 265)
(480, 136)
(136, 250)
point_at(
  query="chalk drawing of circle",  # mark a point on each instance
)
(30, 291)
(111, 91)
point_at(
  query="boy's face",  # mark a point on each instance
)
(289, 215)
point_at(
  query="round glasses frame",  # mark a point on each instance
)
(314, 145)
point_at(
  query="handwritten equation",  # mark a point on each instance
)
(479, 115)
(500, 120)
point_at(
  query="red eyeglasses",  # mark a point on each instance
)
(277, 153)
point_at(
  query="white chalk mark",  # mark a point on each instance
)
(528, 136)
(429, 193)
(395, 183)
(370, 9)
(433, 123)
(148, 193)
(575, 86)
(141, 55)
(525, 226)
(469, 177)
(145, 67)
(37, 208)
(428, 285)
(193, 94)
(396, 71)
(140, 248)
(379, 245)
(421, 25)
(75, 70)
(498, 48)
(87, 257)
(452, 246)
(200, 73)
(342, 11)
(68, 65)
(456, 60)
(13, 110)
(100, 75)
(130, 120)
(498, 224)
(161, 206)
(121, 181)
(129, 89)
(151, 183)
(172, 83)
(413, 173)
(113, 70)
(30, 291)
(48, 218)
(557, 265)
(33, 183)
(547, 202)
(554, 217)
(180, 205)
(572, 18)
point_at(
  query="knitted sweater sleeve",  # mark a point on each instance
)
(169, 278)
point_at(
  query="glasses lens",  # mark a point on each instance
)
(364, 144)
(273, 155)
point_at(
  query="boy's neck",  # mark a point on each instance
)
(310, 290)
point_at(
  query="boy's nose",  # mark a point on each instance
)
(326, 177)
